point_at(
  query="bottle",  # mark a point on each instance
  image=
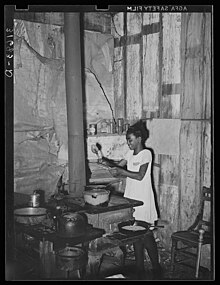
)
(120, 125)
(112, 126)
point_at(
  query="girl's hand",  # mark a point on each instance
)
(116, 171)
(94, 149)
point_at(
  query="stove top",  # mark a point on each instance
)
(45, 230)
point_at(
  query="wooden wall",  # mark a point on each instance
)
(162, 73)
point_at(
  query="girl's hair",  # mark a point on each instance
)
(139, 130)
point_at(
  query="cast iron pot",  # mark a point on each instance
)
(96, 195)
(71, 225)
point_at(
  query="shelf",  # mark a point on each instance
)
(104, 135)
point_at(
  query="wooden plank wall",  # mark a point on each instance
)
(195, 134)
(195, 110)
(93, 21)
(165, 62)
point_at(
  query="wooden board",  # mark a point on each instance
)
(151, 73)
(207, 103)
(133, 83)
(207, 155)
(118, 25)
(190, 171)
(150, 18)
(169, 211)
(171, 36)
(196, 70)
(169, 170)
(119, 82)
(171, 47)
(134, 23)
(170, 106)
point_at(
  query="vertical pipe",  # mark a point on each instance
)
(73, 81)
(125, 65)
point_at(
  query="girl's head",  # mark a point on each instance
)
(133, 138)
(136, 135)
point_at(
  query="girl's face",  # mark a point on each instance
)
(132, 141)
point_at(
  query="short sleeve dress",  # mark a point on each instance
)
(141, 190)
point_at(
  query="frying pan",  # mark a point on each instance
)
(143, 224)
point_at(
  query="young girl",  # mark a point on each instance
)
(139, 187)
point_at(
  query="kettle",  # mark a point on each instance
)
(71, 225)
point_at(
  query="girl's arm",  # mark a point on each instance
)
(97, 149)
(116, 171)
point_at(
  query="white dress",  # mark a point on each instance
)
(141, 190)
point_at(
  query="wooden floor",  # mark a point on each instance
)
(22, 269)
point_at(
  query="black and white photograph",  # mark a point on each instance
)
(109, 153)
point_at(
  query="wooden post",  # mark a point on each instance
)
(73, 81)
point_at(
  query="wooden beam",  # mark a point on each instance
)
(43, 18)
(97, 22)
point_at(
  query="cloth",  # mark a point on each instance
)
(141, 190)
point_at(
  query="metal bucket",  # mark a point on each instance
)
(71, 258)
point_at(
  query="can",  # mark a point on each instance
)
(34, 200)
(92, 129)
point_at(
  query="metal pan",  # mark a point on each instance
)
(29, 211)
(123, 227)
(30, 216)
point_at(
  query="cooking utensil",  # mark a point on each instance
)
(71, 225)
(30, 211)
(132, 231)
(97, 196)
(71, 258)
(30, 215)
